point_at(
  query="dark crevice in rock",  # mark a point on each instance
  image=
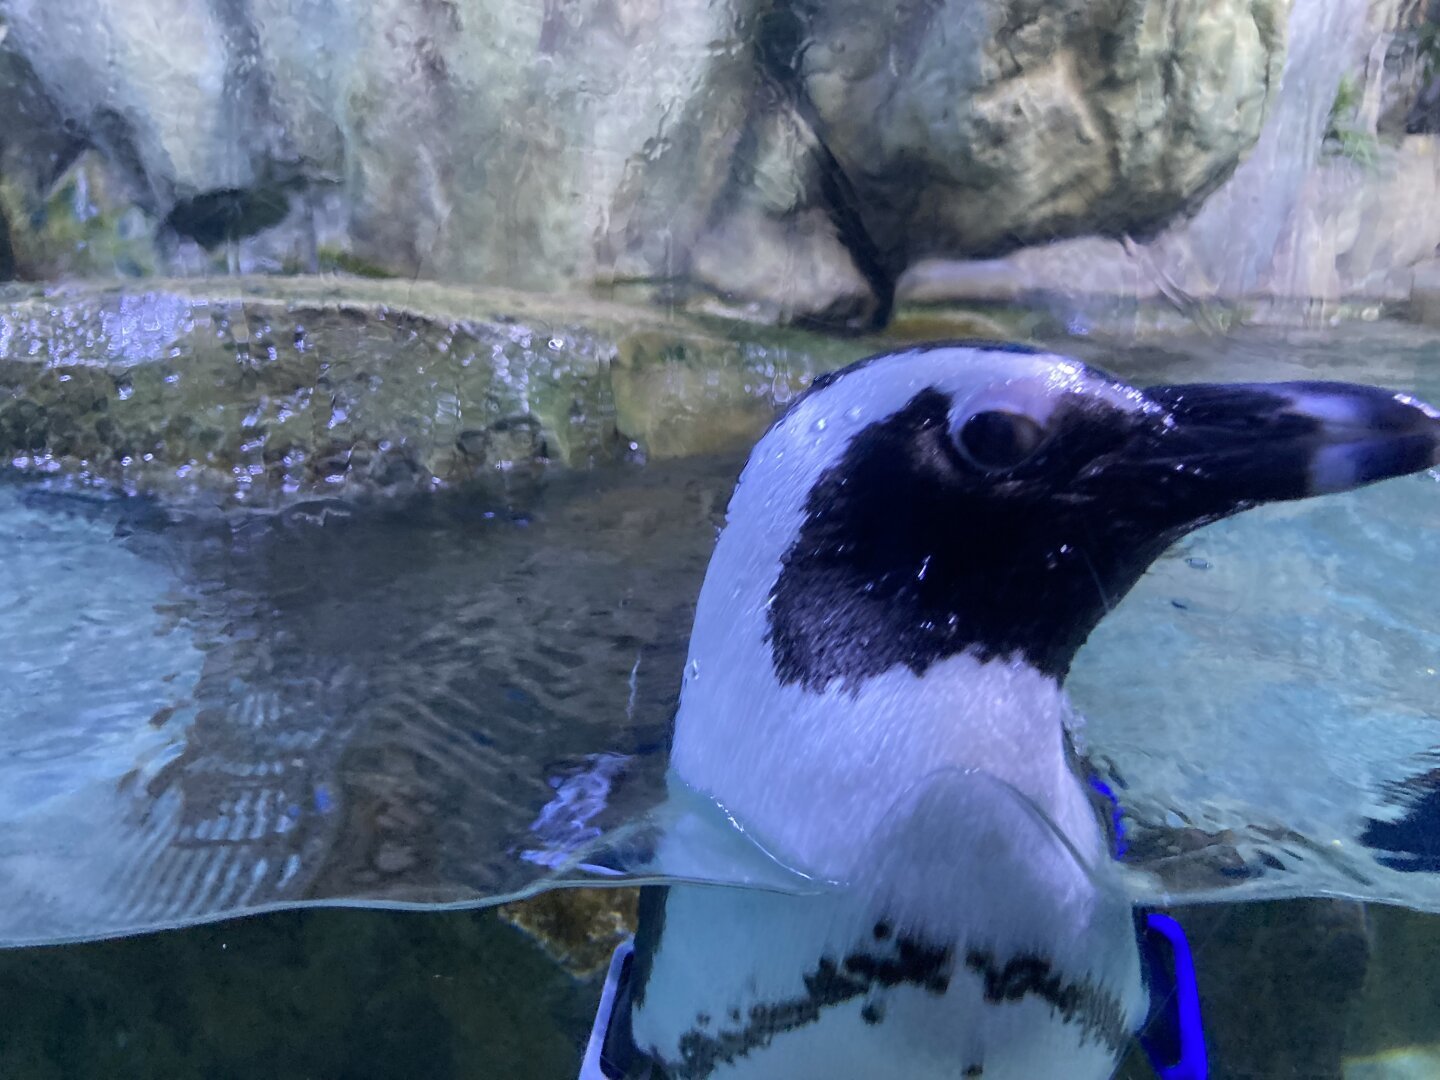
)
(780, 45)
(743, 225)
(1412, 71)
(214, 217)
(844, 208)
(7, 249)
(114, 136)
(1424, 116)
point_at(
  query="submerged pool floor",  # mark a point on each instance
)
(363, 995)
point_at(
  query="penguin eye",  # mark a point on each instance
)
(999, 440)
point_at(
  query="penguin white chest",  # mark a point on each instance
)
(966, 923)
(972, 939)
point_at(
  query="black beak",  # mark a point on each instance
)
(1232, 446)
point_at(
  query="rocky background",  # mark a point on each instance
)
(790, 161)
(1336, 200)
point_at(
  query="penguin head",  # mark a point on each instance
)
(918, 547)
(999, 501)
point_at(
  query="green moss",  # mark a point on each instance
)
(333, 260)
(342, 386)
(579, 928)
(76, 230)
(1343, 135)
(1347, 100)
(1359, 146)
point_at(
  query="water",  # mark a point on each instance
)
(442, 701)
(355, 707)
(361, 994)
(1234, 237)
(1270, 682)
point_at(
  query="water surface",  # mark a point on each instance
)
(441, 700)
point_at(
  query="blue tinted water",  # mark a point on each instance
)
(422, 706)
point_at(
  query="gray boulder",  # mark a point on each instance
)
(792, 158)
(969, 128)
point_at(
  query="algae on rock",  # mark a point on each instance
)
(273, 391)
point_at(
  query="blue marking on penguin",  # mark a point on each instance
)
(912, 556)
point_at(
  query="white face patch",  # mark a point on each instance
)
(1035, 394)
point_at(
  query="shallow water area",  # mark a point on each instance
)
(327, 705)
(442, 699)
(446, 699)
(1267, 695)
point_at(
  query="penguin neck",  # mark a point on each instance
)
(814, 774)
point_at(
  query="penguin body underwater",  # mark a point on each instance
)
(913, 555)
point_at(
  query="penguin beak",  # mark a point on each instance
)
(1264, 442)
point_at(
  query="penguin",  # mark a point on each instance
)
(874, 692)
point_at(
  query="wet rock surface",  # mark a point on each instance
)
(1329, 206)
(1045, 117)
(579, 928)
(245, 397)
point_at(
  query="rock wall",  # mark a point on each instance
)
(796, 158)
(1335, 202)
